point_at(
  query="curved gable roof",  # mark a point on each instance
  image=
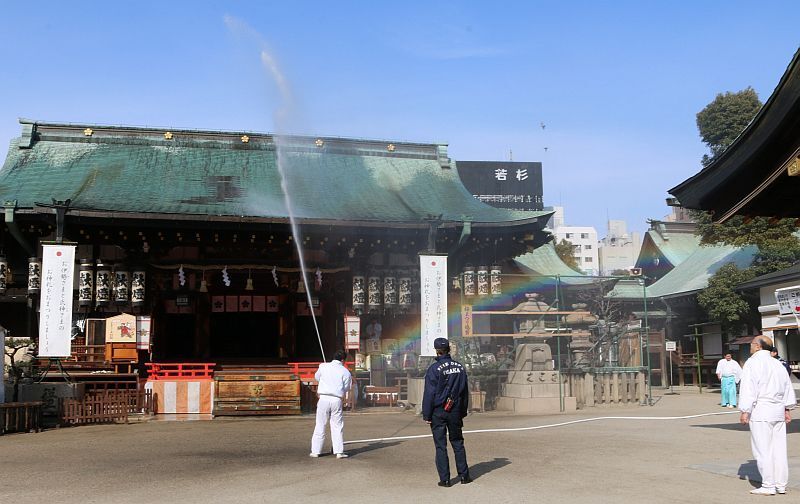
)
(750, 177)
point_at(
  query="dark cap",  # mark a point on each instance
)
(441, 344)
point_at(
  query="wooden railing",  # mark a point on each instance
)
(306, 370)
(607, 387)
(105, 406)
(20, 417)
(179, 371)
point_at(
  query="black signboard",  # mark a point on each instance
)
(504, 184)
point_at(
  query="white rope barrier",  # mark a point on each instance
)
(549, 426)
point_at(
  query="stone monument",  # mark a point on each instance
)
(533, 384)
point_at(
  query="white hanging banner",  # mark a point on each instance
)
(433, 301)
(352, 333)
(55, 309)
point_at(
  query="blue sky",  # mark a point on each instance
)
(617, 84)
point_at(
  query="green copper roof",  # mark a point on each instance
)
(544, 261)
(675, 247)
(628, 289)
(160, 172)
(690, 275)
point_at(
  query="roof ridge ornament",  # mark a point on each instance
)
(168, 135)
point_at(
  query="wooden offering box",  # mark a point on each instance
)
(262, 391)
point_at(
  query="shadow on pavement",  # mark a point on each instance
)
(736, 426)
(372, 446)
(749, 471)
(481, 468)
(792, 428)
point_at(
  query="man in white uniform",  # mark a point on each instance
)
(728, 371)
(334, 381)
(765, 400)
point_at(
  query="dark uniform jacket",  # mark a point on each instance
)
(445, 378)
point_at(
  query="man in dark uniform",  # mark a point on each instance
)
(444, 405)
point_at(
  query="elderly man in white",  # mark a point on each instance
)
(334, 381)
(766, 398)
(729, 372)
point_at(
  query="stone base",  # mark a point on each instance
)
(538, 405)
(526, 391)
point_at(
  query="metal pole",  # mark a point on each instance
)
(558, 351)
(697, 353)
(670, 373)
(647, 344)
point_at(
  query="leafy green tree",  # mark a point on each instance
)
(719, 123)
(722, 120)
(723, 304)
(18, 367)
(566, 252)
(778, 245)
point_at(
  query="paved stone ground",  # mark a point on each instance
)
(255, 460)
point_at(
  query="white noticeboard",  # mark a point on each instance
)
(55, 309)
(352, 333)
(433, 301)
(788, 300)
(671, 346)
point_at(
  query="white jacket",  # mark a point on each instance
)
(765, 390)
(334, 379)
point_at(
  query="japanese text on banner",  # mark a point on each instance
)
(433, 302)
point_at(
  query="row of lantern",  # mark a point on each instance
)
(109, 284)
(104, 285)
(482, 281)
(373, 291)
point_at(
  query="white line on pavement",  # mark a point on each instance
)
(536, 427)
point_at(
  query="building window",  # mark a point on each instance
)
(569, 235)
(588, 247)
(587, 259)
(584, 235)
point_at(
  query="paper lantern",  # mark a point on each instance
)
(102, 285)
(137, 288)
(34, 275)
(121, 289)
(359, 294)
(483, 280)
(495, 282)
(469, 281)
(85, 282)
(389, 291)
(374, 293)
(404, 292)
(3, 273)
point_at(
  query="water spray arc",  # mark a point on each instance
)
(293, 223)
(281, 117)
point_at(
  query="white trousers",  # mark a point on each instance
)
(768, 440)
(328, 407)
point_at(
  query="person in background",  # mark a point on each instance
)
(444, 406)
(766, 399)
(774, 354)
(728, 371)
(334, 381)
